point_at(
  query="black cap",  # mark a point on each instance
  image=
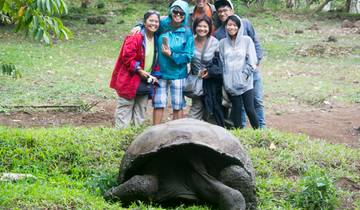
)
(219, 3)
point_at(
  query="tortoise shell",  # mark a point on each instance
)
(177, 133)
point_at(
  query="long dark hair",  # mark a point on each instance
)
(151, 12)
(234, 18)
(208, 22)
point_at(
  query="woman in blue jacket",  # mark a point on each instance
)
(176, 44)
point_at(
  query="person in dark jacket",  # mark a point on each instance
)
(205, 64)
(136, 62)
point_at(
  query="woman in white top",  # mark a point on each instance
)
(205, 64)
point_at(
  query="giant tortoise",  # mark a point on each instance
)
(186, 160)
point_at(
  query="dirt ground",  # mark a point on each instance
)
(335, 123)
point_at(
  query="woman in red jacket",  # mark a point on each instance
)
(132, 76)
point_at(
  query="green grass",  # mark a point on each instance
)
(78, 71)
(74, 166)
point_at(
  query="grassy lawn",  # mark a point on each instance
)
(74, 166)
(78, 71)
(71, 72)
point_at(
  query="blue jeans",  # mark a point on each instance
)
(258, 102)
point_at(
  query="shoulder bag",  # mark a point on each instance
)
(194, 84)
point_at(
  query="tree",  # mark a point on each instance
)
(39, 18)
(354, 6)
(322, 5)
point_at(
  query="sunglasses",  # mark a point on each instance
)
(152, 12)
(178, 13)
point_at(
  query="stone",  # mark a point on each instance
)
(347, 24)
(96, 20)
(13, 177)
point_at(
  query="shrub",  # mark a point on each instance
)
(316, 191)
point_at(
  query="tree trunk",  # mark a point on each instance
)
(347, 5)
(309, 3)
(289, 4)
(354, 7)
(260, 3)
(321, 6)
(327, 7)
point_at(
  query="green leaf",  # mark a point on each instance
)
(64, 33)
(38, 4)
(58, 3)
(17, 74)
(2, 2)
(46, 38)
(5, 8)
(63, 5)
(320, 184)
(39, 34)
(35, 23)
(43, 5)
(48, 6)
(28, 14)
(55, 6)
(56, 28)
(19, 25)
(3, 68)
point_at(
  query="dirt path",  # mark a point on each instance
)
(336, 124)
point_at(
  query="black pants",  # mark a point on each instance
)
(212, 101)
(247, 99)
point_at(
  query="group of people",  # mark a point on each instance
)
(209, 41)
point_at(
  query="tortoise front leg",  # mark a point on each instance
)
(211, 190)
(139, 187)
(237, 178)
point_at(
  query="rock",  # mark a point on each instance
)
(96, 20)
(13, 177)
(347, 24)
(314, 27)
(298, 31)
(272, 146)
(251, 14)
(357, 24)
(332, 39)
(121, 22)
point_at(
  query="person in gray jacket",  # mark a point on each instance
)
(238, 61)
(224, 9)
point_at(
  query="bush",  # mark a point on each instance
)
(316, 191)
(10, 70)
